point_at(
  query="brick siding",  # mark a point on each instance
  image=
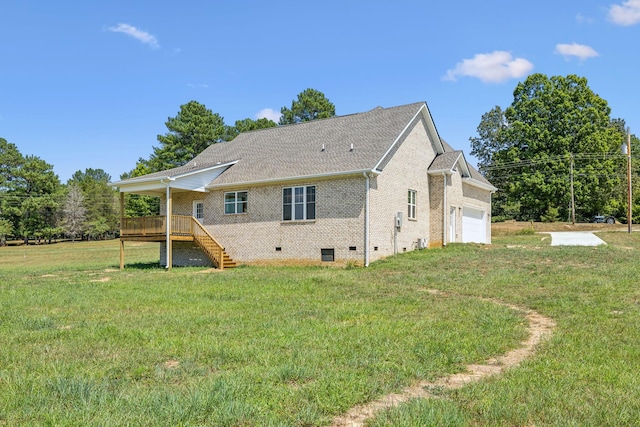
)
(261, 234)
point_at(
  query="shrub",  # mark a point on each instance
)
(551, 215)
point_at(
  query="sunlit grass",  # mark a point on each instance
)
(587, 374)
(79, 255)
(83, 343)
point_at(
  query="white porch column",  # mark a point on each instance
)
(169, 214)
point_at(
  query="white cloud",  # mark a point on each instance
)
(628, 13)
(198, 85)
(268, 113)
(584, 19)
(495, 67)
(578, 50)
(141, 36)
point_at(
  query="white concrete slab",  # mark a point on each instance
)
(575, 238)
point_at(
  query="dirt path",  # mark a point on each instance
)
(539, 328)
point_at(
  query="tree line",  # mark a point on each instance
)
(34, 204)
(554, 151)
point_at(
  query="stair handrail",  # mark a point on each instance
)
(203, 231)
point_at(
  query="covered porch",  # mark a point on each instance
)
(181, 228)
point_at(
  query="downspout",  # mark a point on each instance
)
(444, 209)
(366, 220)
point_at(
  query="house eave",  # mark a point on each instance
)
(441, 171)
(293, 178)
(479, 184)
(159, 183)
(141, 180)
(207, 169)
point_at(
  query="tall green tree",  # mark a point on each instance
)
(6, 229)
(554, 125)
(100, 201)
(311, 104)
(490, 137)
(247, 125)
(10, 160)
(34, 198)
(190, 132)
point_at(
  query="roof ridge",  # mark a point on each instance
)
(378, 108)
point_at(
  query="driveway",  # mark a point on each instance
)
(575, 238)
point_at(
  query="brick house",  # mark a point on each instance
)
(349, 188)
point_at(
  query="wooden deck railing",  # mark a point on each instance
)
(143, 226)
(155, 227)
(181, 225)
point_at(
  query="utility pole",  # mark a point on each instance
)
(629, 208)
(573, 199)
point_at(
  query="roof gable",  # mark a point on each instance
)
(339, 145)
(452, 161)
(342, 145)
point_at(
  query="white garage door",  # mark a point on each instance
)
(474, 226)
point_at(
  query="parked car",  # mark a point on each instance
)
(603, 218)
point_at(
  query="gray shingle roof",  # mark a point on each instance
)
(475, 174)
(444, 158)
(341, 144)
(445, 161)
(337, 145)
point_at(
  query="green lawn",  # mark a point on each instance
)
(82, 343)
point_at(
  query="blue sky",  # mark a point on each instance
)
(91, 84)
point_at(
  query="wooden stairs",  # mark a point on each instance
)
(210, 246)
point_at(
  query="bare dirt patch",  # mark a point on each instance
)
(539, 327)
(210, 270)
(513, 227)
(171, 364)
(101, 280)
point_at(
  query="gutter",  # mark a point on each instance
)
(444, 209)
(142, 179)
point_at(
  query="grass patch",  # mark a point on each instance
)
(586, 374)
(264, 346)
(250, 346)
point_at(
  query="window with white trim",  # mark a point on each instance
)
(411, 204)
(299, 203)
(235, 202)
